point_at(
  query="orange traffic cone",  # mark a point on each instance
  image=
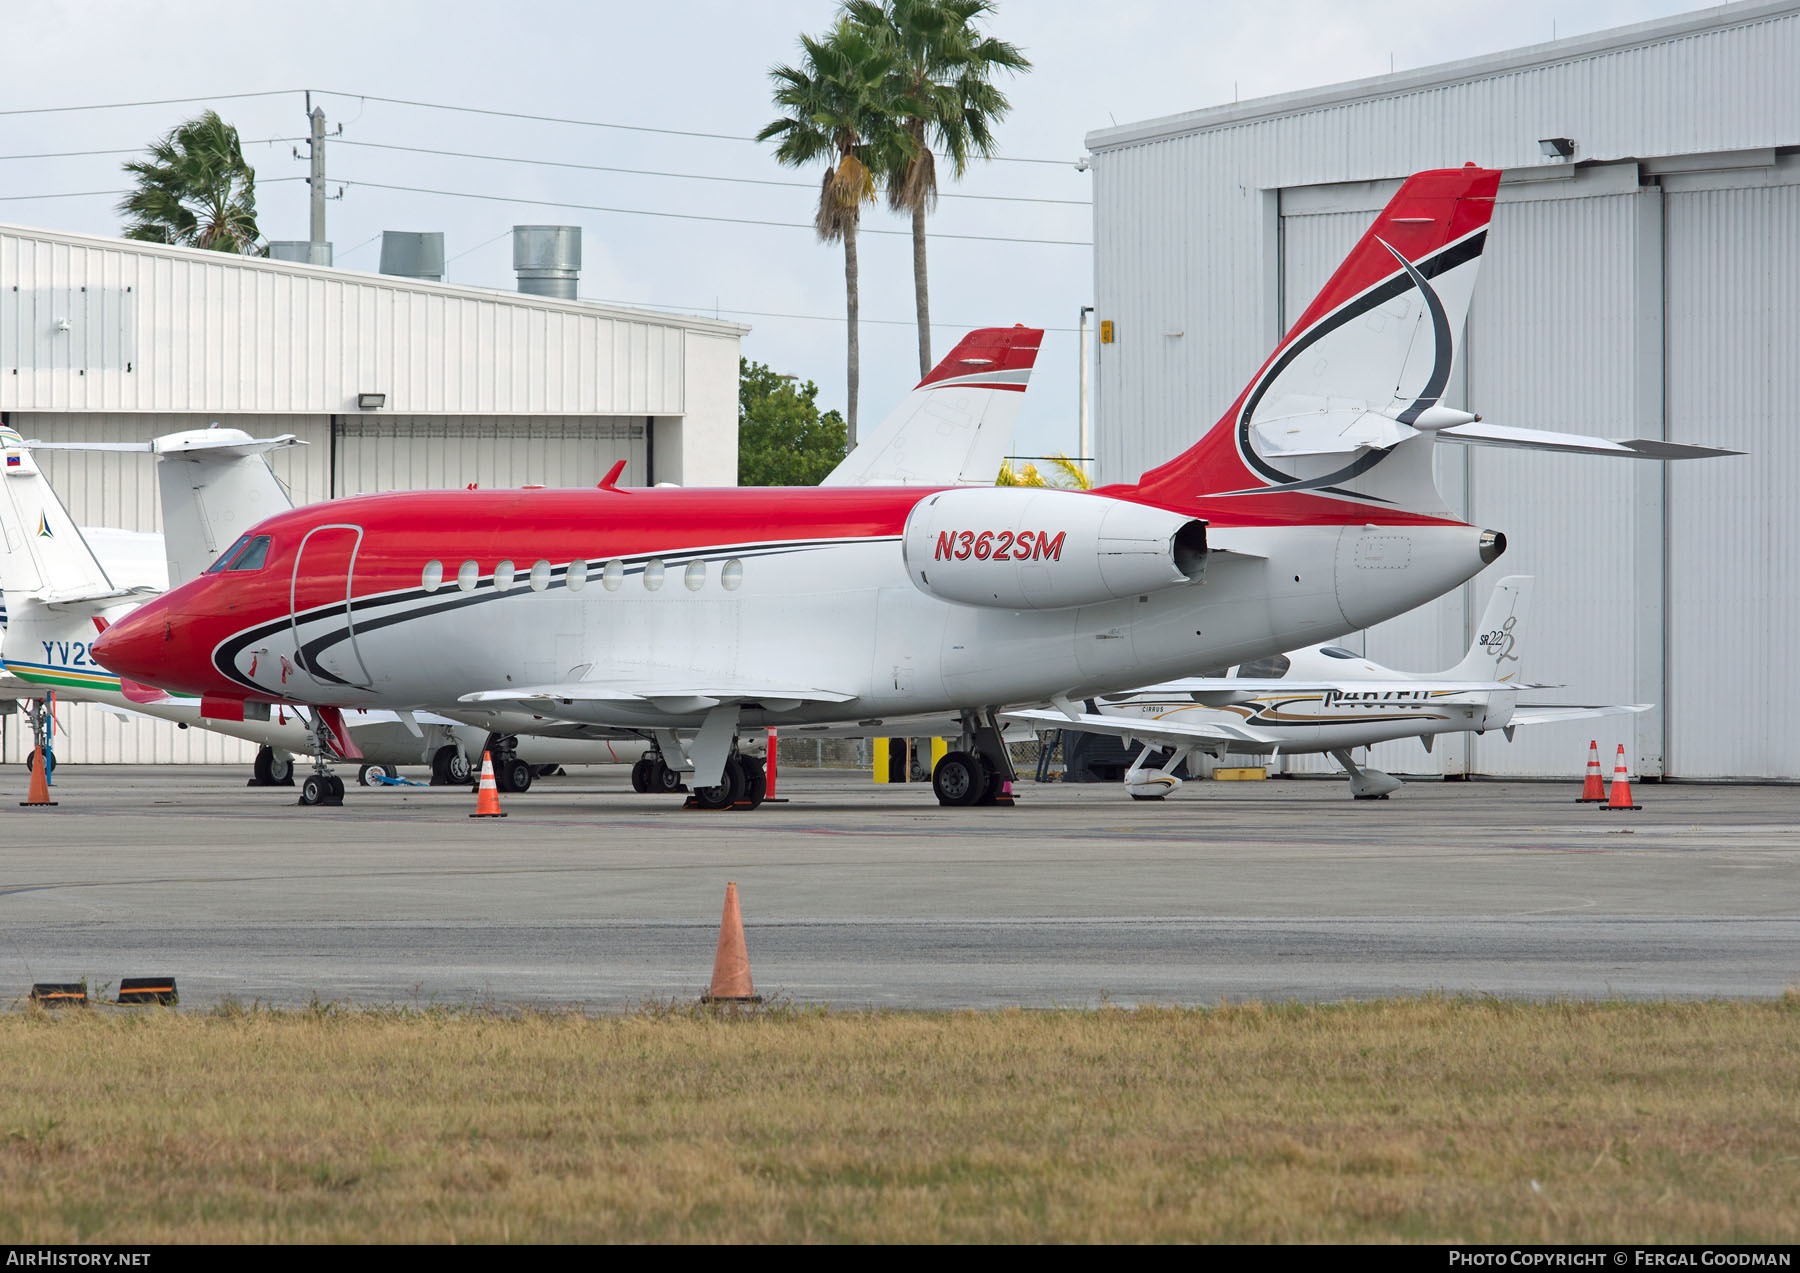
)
(1593, 791)
(1621, 786)
(731, 966)
(40, 787)
(487, 798)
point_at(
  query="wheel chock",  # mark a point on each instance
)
(60, 994)
(137, 990)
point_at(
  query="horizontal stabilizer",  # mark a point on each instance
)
(195, 444)
(1550, 715)
(1484, 434)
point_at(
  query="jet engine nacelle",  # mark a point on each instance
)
(1024, 548)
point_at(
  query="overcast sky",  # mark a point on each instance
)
(699, 66)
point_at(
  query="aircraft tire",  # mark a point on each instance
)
(729, 790)
(316, 790)
(959, 779)
(366, 776)
(1135, 796)
(337, 789)
(518, 774)
(756, 781)
(664, 780)
(640, 775)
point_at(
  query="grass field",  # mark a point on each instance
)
(1415, 1120)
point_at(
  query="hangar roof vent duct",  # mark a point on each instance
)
(413, 254)
(548, 259)
(301, 250)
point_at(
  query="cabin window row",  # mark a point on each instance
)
(508, 576)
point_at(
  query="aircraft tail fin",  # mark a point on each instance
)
(1494, 655)
(215, 485)
(955, 427)
(43, 554)
(1345, 407)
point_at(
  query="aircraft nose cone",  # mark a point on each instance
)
(138, 646)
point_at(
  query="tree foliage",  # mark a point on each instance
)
(783, 440)
(195, 189)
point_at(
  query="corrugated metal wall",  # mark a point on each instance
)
(150, 328)
(447, 451)
(1653, 298)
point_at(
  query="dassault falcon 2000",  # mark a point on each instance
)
(694, 614)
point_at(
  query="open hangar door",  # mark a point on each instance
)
(403, 453)
(1564, 333)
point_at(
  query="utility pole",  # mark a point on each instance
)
(317, 180)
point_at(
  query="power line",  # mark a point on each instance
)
(89, 194)
(686, 176)
(690, 216)
(132, 150)
(596, 123)
(164, 101)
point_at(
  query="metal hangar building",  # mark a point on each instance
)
(1641, 279)
(395, 383)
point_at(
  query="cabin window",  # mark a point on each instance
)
(1272, 668)
(577, 575)
(653, 574)
(1338, 652)
(694, 576)
(468, 576)
(432, 578)
(540, 575)
(731, 578)
(613, 575)
(503, 576)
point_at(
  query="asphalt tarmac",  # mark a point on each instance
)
(856, 895)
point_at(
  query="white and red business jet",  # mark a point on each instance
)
(695, 614)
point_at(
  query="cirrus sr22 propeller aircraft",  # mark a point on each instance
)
(1327, 699)
(691, 615)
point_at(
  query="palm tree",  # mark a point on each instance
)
(948, 102)
(837, 110)
(195, 189)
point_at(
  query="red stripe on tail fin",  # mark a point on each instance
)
(1349, 357)
(989, 351)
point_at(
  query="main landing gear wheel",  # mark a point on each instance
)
(640, 775)
(662, 780)
(450, 768)
(959, 779)
(368, 775)
(729, 791)
(272, 768)
(512, 774)
(322, 789)
(756, 781)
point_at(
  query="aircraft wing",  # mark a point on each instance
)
(686, 695)
(1547, 715)
(1150, 730)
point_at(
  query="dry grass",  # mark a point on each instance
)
(1415, 1120)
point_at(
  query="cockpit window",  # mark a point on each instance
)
(229, 555)
(248, 553)
(1338, 652)
(252, 558)
(1272, 668)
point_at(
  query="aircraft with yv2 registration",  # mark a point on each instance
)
(696, 615)
(1327, 699)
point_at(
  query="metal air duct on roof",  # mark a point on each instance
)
(413, 254)
(303, 251)
(547, 259)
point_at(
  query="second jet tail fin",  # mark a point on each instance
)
(956, 426)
